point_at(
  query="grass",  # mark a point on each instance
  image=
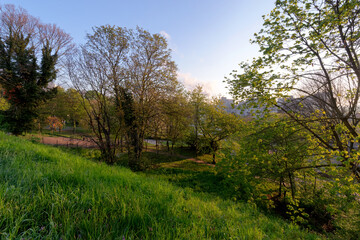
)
(200, 178)
(46, 193)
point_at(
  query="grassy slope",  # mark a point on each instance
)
(47, 193)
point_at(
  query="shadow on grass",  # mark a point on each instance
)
(189, 174)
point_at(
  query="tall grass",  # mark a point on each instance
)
(46, 193)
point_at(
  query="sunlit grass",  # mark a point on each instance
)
(46, 193)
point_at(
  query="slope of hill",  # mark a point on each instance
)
(49, 194)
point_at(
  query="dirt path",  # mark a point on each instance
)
(68, 142)
(87, 143)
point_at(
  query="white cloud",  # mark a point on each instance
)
(171, 44)
(191, 82)
(165, 35)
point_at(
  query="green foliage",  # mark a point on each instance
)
(197, 101)
(310, 50)
(177, 117)
(274, 164)
(127, 106)
(66, 105)
(211, 123)
(24, 82)
(216, 125)
(50, 194)
(4, 105)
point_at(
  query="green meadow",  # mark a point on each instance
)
(47, 193)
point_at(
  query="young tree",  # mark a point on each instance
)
(115, 61)
(215, 125)
(54, 123)
(74, 110)
(270, 162)
(311, 48)
(198, 101)
(177, 117)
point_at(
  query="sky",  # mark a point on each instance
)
(209, 38)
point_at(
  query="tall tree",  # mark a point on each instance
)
(16, 20)
(98, 74)
(311, 49)
(24, 40)
(24, 82)
(117, 63)
(151, 76)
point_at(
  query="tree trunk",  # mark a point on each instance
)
(214, 148)
(74, 127)
(292, 186)
(135, 150)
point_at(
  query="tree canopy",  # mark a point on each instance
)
(309, 69)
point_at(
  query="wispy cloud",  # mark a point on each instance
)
(172, 45)
(190, 82)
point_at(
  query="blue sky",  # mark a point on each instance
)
(209, 37)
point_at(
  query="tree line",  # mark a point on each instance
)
(123, 87)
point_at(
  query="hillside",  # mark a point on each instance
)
(49, 194)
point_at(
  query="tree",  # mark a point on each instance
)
(151, 77)
(24, 40)
(54, 123)
(198, 101)
(16, 20)
(270, 162)
(132, 130)
(75, 112)
(66, 105)
(117, 63)
(97, 74)
(310, 49)
(177, 117)
(25, 86)
(215, 125)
